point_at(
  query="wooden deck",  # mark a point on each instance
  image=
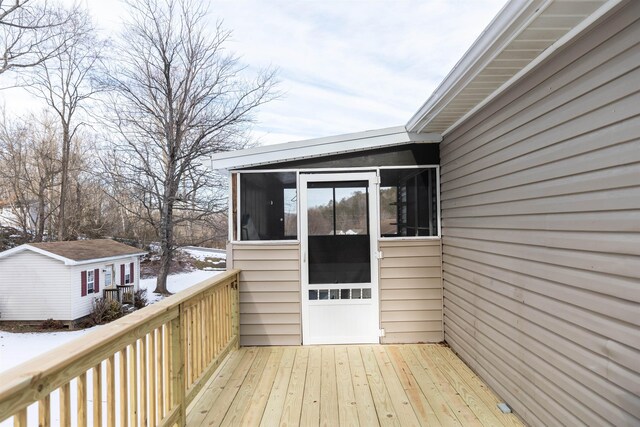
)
(406, 385)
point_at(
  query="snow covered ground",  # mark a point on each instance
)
(176, 282)
(16, 348)
(207, 255)
(202, 253)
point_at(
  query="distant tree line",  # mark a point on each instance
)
(348, 216)
(121, 144)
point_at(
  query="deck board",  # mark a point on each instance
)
(293, 402)
(366, 385)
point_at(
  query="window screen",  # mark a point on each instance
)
(268, 206)
(408, 202)
(338, 227)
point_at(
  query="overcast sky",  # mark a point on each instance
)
(344, 66)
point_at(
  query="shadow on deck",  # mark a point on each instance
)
(417, 384)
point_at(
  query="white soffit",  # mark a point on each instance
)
(310, 148)
(519, 37)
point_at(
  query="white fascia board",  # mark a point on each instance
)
(507, 23)
(337, 144)
(66, 261)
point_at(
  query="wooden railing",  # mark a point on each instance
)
(143, 369)
(126, 294)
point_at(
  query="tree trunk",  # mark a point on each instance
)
(165, 265)
(166, 235)
(41, 211)
(166, 247)
(66, 148)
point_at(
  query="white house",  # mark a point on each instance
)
(60, 280)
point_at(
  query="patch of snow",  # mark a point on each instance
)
(16, 348)
(202, 253)
(176, 282)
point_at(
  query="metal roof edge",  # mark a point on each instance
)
(319, 147)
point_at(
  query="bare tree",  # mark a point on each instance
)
(29, 171)
(64, 82)
(178, 97)
(31, 32)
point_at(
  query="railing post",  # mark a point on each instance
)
(177, 368)
(235, 309)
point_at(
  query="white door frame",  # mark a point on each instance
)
(373, 190)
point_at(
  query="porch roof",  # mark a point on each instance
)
(318, 147)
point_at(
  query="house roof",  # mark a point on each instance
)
(79, 251)
(309, 148)
(523, 35)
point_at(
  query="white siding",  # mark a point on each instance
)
(541, 235)
(82, 305)
(34, 287)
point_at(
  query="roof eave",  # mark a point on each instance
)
(111, 258)
(458, 76)
(508, 23)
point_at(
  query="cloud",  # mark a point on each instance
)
(345, 65)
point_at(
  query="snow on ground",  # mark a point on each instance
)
(202, 253)
(176, 282)
(205, 254)
(16, 348)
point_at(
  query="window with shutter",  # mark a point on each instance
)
(127, 275)
(90, 281)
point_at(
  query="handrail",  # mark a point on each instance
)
(163, 354)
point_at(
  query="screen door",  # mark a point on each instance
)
(339, 263)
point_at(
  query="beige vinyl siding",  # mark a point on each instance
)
(411, 291)
(34, 287)
(540, 200)
(269, 292)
